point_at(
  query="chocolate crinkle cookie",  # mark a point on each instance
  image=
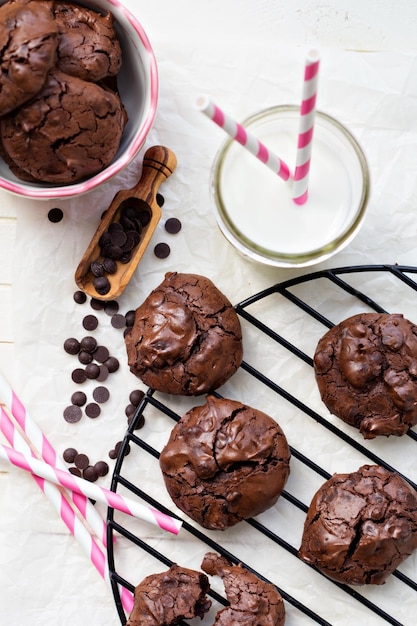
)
(70, 130)
(165, 599)
(366, 371)
(253, 602)
(186, 338)
(225, 462)
(28, 43)
(88, 46)
(361, 526)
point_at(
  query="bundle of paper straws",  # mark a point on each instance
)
(68, 494)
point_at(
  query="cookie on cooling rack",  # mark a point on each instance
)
(366, 371)
(170, 596)
(186, 338)
(253, 601)
(361, 526)
(225, 462)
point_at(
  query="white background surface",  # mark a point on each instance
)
(200, 46)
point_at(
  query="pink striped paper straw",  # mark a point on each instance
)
(41, 445)
(58, 499)
(90, 490)
(306, 128)
(237, 132)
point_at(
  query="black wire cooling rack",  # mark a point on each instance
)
(281, 326)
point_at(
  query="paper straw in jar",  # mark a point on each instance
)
(40, 444)
(80, 485)
(306, 128)
(237, 132)
(58, 498)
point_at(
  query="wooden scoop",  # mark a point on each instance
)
(158, 163)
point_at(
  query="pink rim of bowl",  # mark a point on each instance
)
(142, 87)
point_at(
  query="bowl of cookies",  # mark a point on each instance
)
(78, 94)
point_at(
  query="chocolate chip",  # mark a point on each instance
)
(85, 357)
(111, 307)
(79, 376)
(92, 410)
(90, 322)
(79, 398)
(136, 396)
(92, 371)
(75, 471)
(88, 343)
(81, 461)
(160, 199)
(101, 354)
(72, 414)
(162, 250)
(139, 423)
(55, 215)
(118, 446)
(72, 345)
(144, 217)
(105, 239)
(101, 394)
(125, 258)
(102, 468)
(90, 473)
(130, 318)
(119, 238)
(97, 268)
(103, 375)
(79, 297)
(96, 304)
(129, 410)
(173, 225)
(112, 364)
(112, 454)
(118, 320)
(101, 285)
(110, 266)
(69, 455)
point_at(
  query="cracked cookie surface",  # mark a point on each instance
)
(253, 602)
(361, 526)
(186, 338)
(166, 598)
(69, 131)
(225, 462)
(366, 371)
(28, 43)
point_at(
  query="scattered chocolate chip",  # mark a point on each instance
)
(90, 473)
(92, 410)
(69, 455)
(96, 304)
(79, 297)
(75, 471)
(129, 410)
(85, 357)
(112, 454)
(173, 225)
(130, 318)
(81, 461)
(112, 364)
(118, 320)
(79, 376)
(111, 307)
(118, 446)
(88, 343)
(79, 398)
(102, 468)
(72, 345)
(90, 322)
(136, 396)
(92, 371)
(103, 375)
(101, 285)
(162, 250)
(139, 423)
(101, 354)
(55, 215)
(72, 414)
(101, 394)
(97, 268)
(160, 199)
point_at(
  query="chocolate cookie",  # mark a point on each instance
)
(253, 602)
(88, 46)
(366, 371)
(165, 599)
(225, 462)
(70, 130)
(361, 526)
(28, 42)
(186, 338)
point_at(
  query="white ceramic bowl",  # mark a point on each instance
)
(138, 87)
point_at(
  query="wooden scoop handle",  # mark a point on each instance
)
(159, 163)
